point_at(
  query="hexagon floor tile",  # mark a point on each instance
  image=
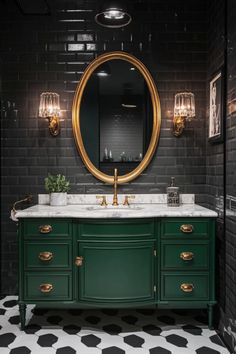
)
(107, 331)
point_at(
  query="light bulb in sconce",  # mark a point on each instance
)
(184, 110)
(49, 108)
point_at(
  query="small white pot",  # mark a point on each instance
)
(58, 199)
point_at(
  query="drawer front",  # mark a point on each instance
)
(185, 228)
(47, 286)
(98, 229)
(188, 287)
(184, 255)
(47, 255)
(46, 228)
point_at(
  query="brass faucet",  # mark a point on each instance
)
(115, 199)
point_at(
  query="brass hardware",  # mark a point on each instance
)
(155, 253)
(46, 288)
(115, 199)
(54, 125)
(45, 229)
(156, 112)
(27, 199)
(178, 125)
(127, 197)
(104, 201)
(187, 288)
(187, 228)
(79, 261)
(186, 256)
(45, 256)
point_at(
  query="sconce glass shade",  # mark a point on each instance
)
(49, 107)
(185, 105)
(49, 104)
(113, 14)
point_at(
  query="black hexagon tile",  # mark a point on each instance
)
(159, 350)
(6, 339)
(20, 350)
(152, 330)
(47, 340)
(71, 329)
(207, 350)
(177, 340)
(112, 329)
(196, 331)
(134, 341)
(66, 350)
(113, 350)
(90, 340)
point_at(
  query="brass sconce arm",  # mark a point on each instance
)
(178, 125)
(54, 125)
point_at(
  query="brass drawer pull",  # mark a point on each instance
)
(186, 256)
(45, 256)
(186, 228)
(46, 288)
(187, 288)
(79, 261)
(45, 229)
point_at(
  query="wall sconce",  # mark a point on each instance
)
(49, 108)
(184, 111)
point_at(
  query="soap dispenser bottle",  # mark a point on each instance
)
(172, 194)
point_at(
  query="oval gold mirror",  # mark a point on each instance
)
(116, 117)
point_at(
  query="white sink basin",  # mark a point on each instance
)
(113, 209)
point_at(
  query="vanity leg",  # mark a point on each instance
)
(210, 316)
(22, 309)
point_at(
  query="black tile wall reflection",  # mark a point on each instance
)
(50, 52)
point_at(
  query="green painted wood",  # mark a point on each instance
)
(62, 286)
(171, 282)
(60, 228)
(116, 272)
(61, 252)
(171, 227)
(129, 229)
(171, 250)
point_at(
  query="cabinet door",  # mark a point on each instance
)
(116, 272)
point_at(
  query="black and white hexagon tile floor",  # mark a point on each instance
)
(105, 331)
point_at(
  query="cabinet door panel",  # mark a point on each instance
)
(116, 272)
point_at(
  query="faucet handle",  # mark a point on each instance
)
(104, 201)
(127, 197)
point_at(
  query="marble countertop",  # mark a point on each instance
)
(136, 210)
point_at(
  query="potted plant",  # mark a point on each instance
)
(58, 187)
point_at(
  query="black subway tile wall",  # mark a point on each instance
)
(50, 52)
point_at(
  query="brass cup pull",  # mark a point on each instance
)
(79, 261)
(45, 256)
(46, 288)
(186, 228)
(186, 256)
(186, 288)
(45, 229)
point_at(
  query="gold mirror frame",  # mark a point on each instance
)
(156, 116)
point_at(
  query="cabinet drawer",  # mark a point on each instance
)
(187, 287)
(48, 286)
(46, 228)
(47, 255)
(185, 228)
(99, 229)
(184, 255)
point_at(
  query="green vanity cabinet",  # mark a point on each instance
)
(117, 263)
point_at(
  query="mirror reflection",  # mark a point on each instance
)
(116, 118)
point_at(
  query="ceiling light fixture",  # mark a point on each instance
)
(113, 14)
